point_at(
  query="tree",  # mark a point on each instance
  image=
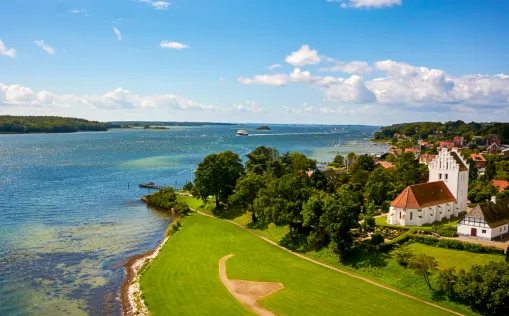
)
(365, 163)
(339, 161)
(369, 217)
(260, 160)
(312, 210)
(379, 184)
(424, 265)
(217, 175)
(189, 186)
(407, 169)
(319, 180)
(403, 255)
(246, 191)
(300, 163)
(376, 239)
(446, 281)
(491, 169)
(282, 200)
(340, 215)
(472, 170)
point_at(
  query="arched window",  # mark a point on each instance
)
(439, 176)
(399, 215)
(411, 215)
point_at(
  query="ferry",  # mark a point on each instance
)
(242, 132)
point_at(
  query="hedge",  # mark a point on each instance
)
(454, 244)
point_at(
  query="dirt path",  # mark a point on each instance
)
(248, 292)
(339, 270)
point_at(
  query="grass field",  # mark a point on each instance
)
(184, 280)
(451, 223)
(452, 258)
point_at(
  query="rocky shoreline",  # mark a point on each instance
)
(132, 302)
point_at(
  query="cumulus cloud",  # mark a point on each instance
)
(248, 106)
(367, 4)
(10, 52)
(17, 95)
(353, 67)
(304, 56)
(45, 47)
(117, 33)
(173, 45)
(272, 67)
(296, 75)
(401, 84)
(158, 5)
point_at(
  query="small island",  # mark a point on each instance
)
(263, 128)
(49, 124)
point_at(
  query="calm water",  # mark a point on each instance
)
(70, 212)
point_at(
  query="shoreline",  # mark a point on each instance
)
(130, 292)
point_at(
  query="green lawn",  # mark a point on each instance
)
(193, 203)
(452, 223)
(453, 258)
(184, 279)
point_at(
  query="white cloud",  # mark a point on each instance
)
(45, 47)
(78, 11)
(351, 90)
(367, 4)
(173, 45)
(296, 75)
(158, 5)
(272, 67)
(10, 52)
(353, 67)
(304, 56)
(117, 33)
(248, 106)
(17, 95)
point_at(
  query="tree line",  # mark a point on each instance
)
(49, 124)
(447, 130)
(289, 189)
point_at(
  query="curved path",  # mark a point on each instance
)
(248, 292)
(337, 269)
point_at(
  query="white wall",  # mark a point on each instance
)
(490, 233)
(428, 215)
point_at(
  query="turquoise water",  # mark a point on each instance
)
(70, 210)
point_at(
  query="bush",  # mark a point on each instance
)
(403, 255)
(376, 239)
(507, 254)
(174, 227)
(396, 241)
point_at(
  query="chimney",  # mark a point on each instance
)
(494, 199)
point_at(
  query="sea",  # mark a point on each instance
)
(70, 209)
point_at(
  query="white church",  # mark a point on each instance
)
(443, 197)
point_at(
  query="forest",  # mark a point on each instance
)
(49, 124)
(442, 131)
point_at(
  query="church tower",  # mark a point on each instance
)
(452, 169)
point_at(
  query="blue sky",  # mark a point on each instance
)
(351, 61)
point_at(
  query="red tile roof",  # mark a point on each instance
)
(500, 184)
(423, 195)
(411, 150)
(385, 164)
(477, 157)
(426, 158)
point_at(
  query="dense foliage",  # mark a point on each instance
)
(167, 199)
(423, 130)
(48, 124)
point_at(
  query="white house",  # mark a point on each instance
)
(489, 220)
(443, 197)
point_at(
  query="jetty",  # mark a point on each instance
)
(152, 185)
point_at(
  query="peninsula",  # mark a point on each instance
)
(48, 124)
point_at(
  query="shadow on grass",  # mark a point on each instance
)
(229, 213)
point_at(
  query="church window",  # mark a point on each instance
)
(440, 176)
(399, 215)
(411, 215)
(446, 176)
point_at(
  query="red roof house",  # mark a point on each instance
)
(500, 184)
(479, 159)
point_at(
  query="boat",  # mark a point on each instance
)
(242, 132)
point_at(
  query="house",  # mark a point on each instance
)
(385, 164)
(396, 151)
(425, 144)
(458, 142)
(448, 143)
(500, 184)
(488, 220)
(505, 152)
(493, 139)
(444, 196)
(493, 147)
(412, 150)
(426, 158)
(479, 159)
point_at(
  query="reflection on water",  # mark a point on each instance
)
(70, 212)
